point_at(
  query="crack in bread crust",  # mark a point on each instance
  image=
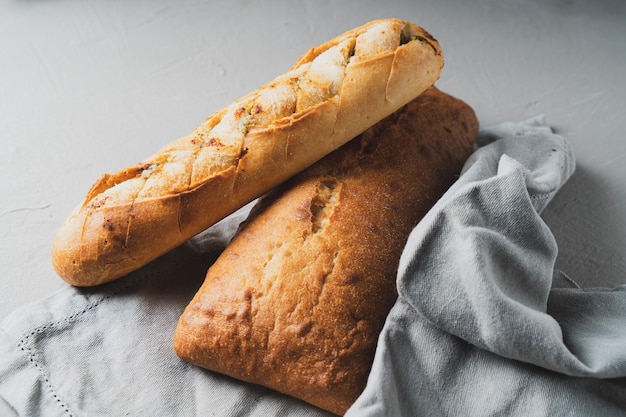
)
(323, 203)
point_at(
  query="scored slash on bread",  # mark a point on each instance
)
(298, 298)
(333, 93)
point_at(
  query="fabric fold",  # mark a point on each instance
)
(487, 326)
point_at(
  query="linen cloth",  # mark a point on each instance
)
(483, 324)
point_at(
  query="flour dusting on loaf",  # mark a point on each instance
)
(297, 300)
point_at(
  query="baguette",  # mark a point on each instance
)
(298, 298)
(333, 92)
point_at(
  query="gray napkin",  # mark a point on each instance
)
(483, 325)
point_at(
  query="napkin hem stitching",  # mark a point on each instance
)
(30, 352)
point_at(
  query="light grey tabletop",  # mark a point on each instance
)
(92, 87)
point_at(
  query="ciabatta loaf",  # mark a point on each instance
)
(333, 92)
(297, 300)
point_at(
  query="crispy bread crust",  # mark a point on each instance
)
(332, 93)
(297, 300)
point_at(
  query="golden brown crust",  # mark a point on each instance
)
(297, 300)
(332, 93)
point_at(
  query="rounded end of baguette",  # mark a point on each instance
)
(76, 260)
(98, 244)
(388, 80)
